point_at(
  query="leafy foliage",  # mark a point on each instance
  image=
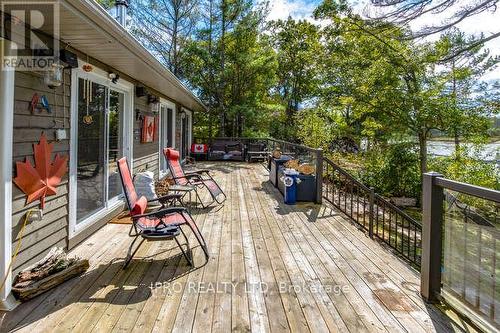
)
(393, 171)
(298, 48)
(313, 128)
(350, 79)
(465, 165)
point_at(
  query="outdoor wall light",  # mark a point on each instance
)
(114, 77)
(140, 91)
(54, 76)
(152, 99)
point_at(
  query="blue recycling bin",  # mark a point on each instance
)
(291, 180)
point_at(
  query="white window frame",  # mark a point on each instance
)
(189, 116)
(168, 104)
(7, 88)
(101, 77)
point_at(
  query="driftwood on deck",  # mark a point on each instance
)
(52, 270)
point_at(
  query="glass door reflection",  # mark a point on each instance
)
(100, 145)
(92, 100)
(115, 145)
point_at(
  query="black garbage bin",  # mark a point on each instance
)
(306, 188)
(275, 164)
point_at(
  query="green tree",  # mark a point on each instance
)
(298, 48)
(359, 81)
(466, 117)
(313, 128)
(232, 65)
(387, 86)
(106, 3)
(163, 26)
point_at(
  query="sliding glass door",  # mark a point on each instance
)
(115, 141)
(92, 104)
(100, 145)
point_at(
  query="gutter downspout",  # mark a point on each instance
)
(7, 301)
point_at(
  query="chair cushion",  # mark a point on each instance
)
(234, 146)
(145, 185)
(167, 232)
(217, 152)
(128, 184)
(218, 145)
(172, 154)
(140, 206)
(168, 220)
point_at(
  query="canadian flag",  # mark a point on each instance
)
(199, 148)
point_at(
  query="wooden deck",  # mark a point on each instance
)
(272, 268)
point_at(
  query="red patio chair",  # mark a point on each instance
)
(163, 224)
(194, 178)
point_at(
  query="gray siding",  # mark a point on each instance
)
(39, 236)
(145, 154)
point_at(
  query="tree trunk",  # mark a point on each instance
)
(422, 142)
(210, 130)
(457, 141)
(210, 97)
(174, 65)
(454, 93)
(223, 66)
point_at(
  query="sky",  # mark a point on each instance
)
(486, 22)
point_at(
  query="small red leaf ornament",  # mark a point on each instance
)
(41, 180)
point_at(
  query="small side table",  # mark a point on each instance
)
(184, 190)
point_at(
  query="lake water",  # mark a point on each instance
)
(489, 152)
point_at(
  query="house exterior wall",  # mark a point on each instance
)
(53, 230)
(145, 154)
(178, 128)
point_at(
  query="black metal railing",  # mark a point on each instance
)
(460, 243)
(373, 213)
(303, 153)
(455, 247)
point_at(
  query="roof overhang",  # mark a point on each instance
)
(88, 28)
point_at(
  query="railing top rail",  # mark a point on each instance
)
(294, 144)
(377, 196)
(261, 138)
(398, 210)
(346, 174)
(227, 138)
(477, 191)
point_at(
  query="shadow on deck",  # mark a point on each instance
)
(273, 267)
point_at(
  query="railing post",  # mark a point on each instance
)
(319, 176)
(432, 221)
(372, 210)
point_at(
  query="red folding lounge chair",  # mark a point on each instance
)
(194, 178)
(162, 224)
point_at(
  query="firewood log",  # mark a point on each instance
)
(34, 289)
(52, 270)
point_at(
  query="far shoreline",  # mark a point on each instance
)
(494, 139)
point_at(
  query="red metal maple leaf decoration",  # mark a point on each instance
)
(41, 181)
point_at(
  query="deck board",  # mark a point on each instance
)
(273, 268)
